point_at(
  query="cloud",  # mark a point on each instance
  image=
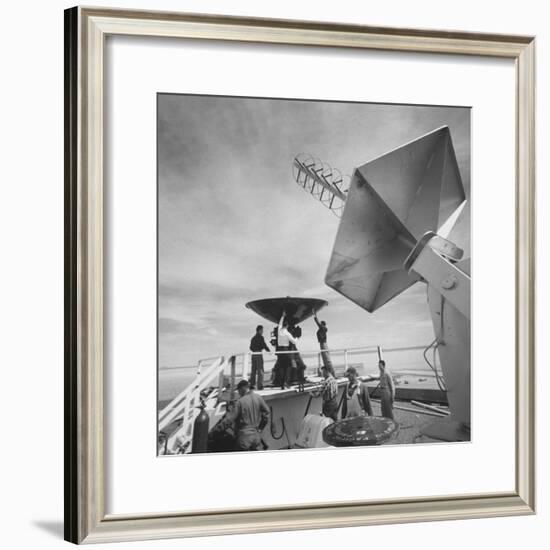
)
(234, 227)
(171, 326)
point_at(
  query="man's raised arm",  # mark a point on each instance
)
(316, 320)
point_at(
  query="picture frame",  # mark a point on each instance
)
(85, 482)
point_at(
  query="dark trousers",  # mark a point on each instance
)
(284, 361)
(249, 440)
(299, 365)
(330, 409)
(257, 371)
(386, 402)
(325, 356)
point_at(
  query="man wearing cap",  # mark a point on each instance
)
(329, 393)
(250, 416)
(356, 400)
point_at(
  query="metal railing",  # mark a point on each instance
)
(184, 407)
(341, 358)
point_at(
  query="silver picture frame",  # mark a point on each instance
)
(85, 518)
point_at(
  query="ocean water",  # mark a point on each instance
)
(174, 380)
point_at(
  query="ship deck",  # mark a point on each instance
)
(410, 418)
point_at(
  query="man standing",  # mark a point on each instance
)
(250, 416)
(296, 331)
(275, 371)
(356, 400)
(257, 346)
(387, 390)
(284, 360)
(329, 393)
(322, 339)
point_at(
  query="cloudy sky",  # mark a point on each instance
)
(234, 226)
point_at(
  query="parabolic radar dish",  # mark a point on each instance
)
(297, 309)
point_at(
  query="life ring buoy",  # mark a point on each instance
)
(359, 430)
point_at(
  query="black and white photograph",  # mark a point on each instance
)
(313, 274)
(239, 241)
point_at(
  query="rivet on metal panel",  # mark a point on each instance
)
(449, 283)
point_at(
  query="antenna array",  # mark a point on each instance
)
(322, 181)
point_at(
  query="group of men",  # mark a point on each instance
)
(246, 418)
(289, 365)
(241, 428)
(355, 400)
(285, 341)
